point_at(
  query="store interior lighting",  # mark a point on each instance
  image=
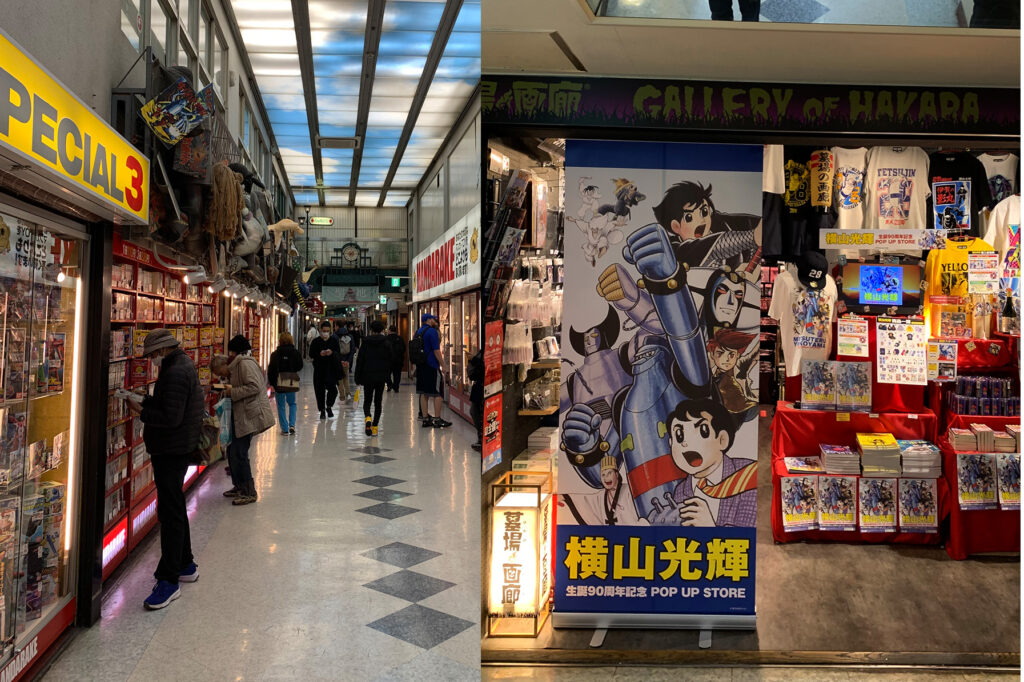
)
(218, 284)
(195, 275)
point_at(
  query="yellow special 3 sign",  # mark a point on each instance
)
(42, 121)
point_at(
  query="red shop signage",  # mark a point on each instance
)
(493, 345)
(437, 269)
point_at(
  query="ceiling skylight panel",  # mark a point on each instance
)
(412, 16)
(306, 198)
(367, 198)
(338, 14)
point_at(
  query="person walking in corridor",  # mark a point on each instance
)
(171, 418)
(346, 350)
(311, 334)
(373, 364)
(397, 346)
(251, 413)
(283, 375)
(326, 358)
(429, 378)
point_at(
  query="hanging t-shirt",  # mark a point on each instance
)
(797, 201)
(773, 171)
(822, 173)
(848, 188)
(896, 189)
(946, 274)
(1001, 171)
(805, 319)
(959, 191)
(1003, 233)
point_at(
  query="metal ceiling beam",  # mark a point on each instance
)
(444, 31)
(304, 43)
(371, 44)
(345, 188)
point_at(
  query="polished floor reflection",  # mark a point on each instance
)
(360, 561)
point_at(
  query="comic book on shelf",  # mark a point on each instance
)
(55, 362)
(818, 385)
(837, 502)
(853, 386)
(877, 503)
(976, 481)
(919, 506)
(804, 465)
(799, 499)
(1008, 469)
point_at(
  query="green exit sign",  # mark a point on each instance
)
(320, 220)
(396, 282)
(383, 299)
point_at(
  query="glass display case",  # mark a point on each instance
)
(41, 294)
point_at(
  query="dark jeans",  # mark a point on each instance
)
(395, 378)
(326, 392)
(373, 393)
(175, 540)
(721, 10)
(238, 460)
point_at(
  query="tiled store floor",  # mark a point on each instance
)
(360, 561)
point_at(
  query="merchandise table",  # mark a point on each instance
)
(800, 432)
(979, 530)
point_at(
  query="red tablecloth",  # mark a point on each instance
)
(995, 353)
(887, 397)
(801, 432)
(981, 530)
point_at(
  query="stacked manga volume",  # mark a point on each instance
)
(840, 460)
(921, 459)
(879, 455)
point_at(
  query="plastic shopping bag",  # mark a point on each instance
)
(227, 429)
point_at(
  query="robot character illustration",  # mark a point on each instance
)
(1010, 474)
(601, 230)
(669, 367)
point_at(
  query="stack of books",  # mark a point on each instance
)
(1014, 430)
(879, 455)
(985, 436)
(544, 438)
(1004, 442)
(963, 440)
(840, 460)
(804, 465)
(921, 459)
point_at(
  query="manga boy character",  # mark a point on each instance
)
(731, 354)
(703, 236)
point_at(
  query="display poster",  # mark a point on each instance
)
(837, 502)
(657, 472)
(983, 272)
(902, 351)
(952, 205)
(1008, 468)
(883, 240)
(799, 500)
(942, 359)
(877, 498)
(976, 481)
(818, 385)
(853, 386)
(852, 337)
(494, 343)
(492, 432)
(919, 506)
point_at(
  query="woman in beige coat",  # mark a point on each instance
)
(251, 413)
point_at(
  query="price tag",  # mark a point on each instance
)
(912, 416)
(842, 416)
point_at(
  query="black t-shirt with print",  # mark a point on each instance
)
(962, 167)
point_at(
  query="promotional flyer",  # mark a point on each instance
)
(658, 474)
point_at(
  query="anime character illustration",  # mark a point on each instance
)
(589, 196)
(732, 355)
(917, 499)
(952, 205)
(1001, 187)
(876, 498)
(849, 185)
(812, 316)
(610, 507)
(798, 496)
(894, 199)
(601, 230)
(626, 197)
(1009, 474)
(5, 236)
(973, 476)
(836, 495)
(703, 236)
(175, 112)
(882, 283)
(1011, 264)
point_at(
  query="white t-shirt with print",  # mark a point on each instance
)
(896, 189)
(773, 171)
(848, 188)
(805, 319)
(1001, 170)
(1003, 232)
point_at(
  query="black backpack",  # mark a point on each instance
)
(417, 353)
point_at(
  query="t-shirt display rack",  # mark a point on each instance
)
(145, 297)
(901, 409)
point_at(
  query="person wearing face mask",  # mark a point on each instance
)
(326, 356)
(172, 418)
(250, 412)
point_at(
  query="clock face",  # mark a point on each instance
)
(350, 252)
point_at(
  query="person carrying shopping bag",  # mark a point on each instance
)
(250, 412)
(283, 375)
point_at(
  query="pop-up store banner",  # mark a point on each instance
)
(657, 477)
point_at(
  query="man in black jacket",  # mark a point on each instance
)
(326, 356)
(397, 346)
(373, 364)
(476, 396)
(172, 419)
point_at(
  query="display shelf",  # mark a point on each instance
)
(539, 413)
(546, 364)
(116, 520)
(119, 422)
(126, 449)
(141, 520)
(117, 486)
(150, 487)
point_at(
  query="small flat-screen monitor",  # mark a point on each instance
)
(874, 288)
(881, 285)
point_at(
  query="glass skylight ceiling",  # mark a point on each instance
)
(337, 32)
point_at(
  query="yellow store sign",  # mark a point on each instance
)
(42, 122)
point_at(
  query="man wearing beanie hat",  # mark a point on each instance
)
(172, 418)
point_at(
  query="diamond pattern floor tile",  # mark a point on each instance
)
(383, 494)
(373, 459)
(400, 554)
(386, 510)
(409, 585)
(423, 627)
(379, 481)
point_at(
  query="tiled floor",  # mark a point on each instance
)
(359, 562)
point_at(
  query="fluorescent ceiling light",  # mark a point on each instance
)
(338, 142)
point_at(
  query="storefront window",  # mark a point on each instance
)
(185, 16)
(184, 56)
(40, 294)
(220, 65)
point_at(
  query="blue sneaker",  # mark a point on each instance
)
(163, 594)
(190, 574)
